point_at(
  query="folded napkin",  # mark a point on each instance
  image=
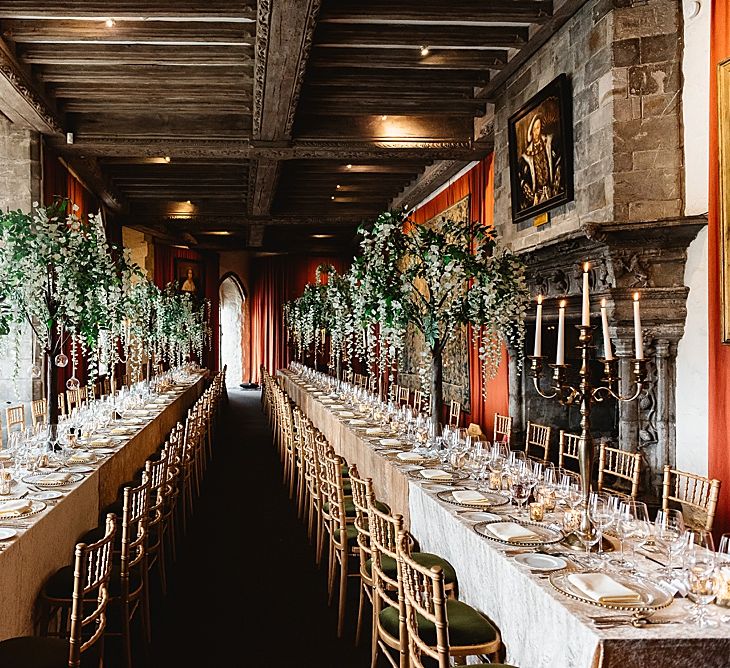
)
(81, 458)
(373, 430)
(327, 401)
(511, 532)
(357, 421)
(470, 496)
(410, 456)
(20, 506)
(603, 588)
(56, 478)
(389, 441)
(435, 474)
(347, 414)
(336, 407)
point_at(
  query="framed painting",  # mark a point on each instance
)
(723, 128)
(456, 354)
(541, 151)
(190, 277)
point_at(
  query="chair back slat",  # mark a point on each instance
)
(698, 496)
(15, 418)
(502, 428)
(455, 414)
(538, 437)
(619, 464)
(567, 447)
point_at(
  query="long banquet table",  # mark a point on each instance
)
(45, 542)
(541, 627)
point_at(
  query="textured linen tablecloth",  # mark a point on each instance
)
(541, 627)
(48, 543)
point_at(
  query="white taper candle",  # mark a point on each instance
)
(560, 357)
(638, 336)
(606, 338)
(586, 312)
(538, 328)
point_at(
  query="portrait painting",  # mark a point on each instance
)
(190, 277)
(541, 151)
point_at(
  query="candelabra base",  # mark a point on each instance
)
(573, 542)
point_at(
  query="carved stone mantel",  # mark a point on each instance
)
(648, 258)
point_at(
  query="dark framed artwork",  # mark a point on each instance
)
(190, 277)
(541, 151)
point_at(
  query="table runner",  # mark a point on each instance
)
(48, 543)
(541, 627)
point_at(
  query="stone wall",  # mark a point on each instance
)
(624, 63)
(20, 187)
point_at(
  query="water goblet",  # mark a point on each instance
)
(670, 534)
(632, 523)
(700, 562)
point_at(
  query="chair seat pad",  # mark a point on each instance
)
(349, 507)
(466, 625)
(60, 585)
(37, 652)
(426, 559)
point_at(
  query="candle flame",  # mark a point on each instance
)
(636, 296)
(603, 303)
(539, 299)
(562, 303)
(586, 266)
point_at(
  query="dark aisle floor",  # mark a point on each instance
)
(245, 584)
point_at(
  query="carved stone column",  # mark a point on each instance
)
(516, 406)
(628, 411)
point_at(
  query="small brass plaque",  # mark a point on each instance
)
(541, 219)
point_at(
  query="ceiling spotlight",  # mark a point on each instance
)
(187, 201)
(109, 23)
(332, 197)
(323, 236)
(338, 186)
(383, 118)
(425, 50)
(348, 166)
(167, 158)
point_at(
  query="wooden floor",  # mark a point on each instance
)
(246, 551)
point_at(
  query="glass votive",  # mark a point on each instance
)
(6, 479)
(571, 521)
(547, 496)
(495, 480)
(537, 511)
(722, 596)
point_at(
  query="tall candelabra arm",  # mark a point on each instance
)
(536, 367)
(605, 391)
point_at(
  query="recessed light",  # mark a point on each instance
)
(348, 166)
(425, 50)
(187, 201)
(167, 158)
(219, 233)
(332, 197)
(338, 186)
(383, 118)
(323, 236)
(109, 23)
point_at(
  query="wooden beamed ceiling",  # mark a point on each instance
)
(277, 125)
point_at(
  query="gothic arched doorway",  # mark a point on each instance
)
(232, 299)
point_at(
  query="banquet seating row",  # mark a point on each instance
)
(367, 542)
(107, 584)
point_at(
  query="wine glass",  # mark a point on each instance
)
(723, 573)
(700, 562)
(519, 488)
(670, 535)
(602, 515)
(632, 523)
(589, 539)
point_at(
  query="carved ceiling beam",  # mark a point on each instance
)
(90, 173)
(432, 178)
(21, 101)
(559, 18)
(237, 222)
(375, 58)
(150, 75)
(131, 146)
(157, 10)
(283, 41)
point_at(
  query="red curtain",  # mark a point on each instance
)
(165, 261)
(478, 183)
(274, 281)
(719, 354)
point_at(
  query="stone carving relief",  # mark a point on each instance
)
(635, 269)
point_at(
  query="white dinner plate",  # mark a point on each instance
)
(105, 451)
(7, 533)
(46, 495)
(80, 468)
(541, 562)
(478, 516)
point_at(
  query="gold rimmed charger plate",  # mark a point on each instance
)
(546, 535)
(35, 508)
(652, 597)
(38, 480)
(495, 500)
(453, 477)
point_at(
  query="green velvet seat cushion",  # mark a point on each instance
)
(60, 584)
(36, 652)
(426, 559)
(350, 507)
(466, 625)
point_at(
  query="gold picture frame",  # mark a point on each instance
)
(723, 123)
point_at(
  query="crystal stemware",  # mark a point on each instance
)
(670, 535)
(700, 562)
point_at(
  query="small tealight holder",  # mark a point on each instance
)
(722, 597)
(548, 498)
(537, 511)
(495, 480)
(6, 479)
(571, 521)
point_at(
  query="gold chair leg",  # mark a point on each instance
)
(343, 595)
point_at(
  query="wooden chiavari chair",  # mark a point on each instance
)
(394, 393)
(404, 395)
(538, 436)
(157, 473)
(61, 403)
(567, 447)
(454, 414)
(342, 534)
(39, 410)
(418, 401)
(435, 626)
(696, 494)
(83, 395)
(175, 480)
(73, 399)
(300, 463)
(15, 418)
(388, 607)
(502, 428)
(89, 595)
(620, 464)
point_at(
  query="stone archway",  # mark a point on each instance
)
(232, 299)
